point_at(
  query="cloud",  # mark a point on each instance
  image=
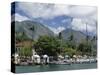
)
(80, 25)
(18, 17)
(81, 15)
(49, 11)
(36, 10)
(82, 11)
(57, 30)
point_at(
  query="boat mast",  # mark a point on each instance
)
(86, 34)
(94, 37)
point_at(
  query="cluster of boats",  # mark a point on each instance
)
(45, 59)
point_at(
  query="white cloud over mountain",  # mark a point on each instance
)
(57, 30)
(81, 15)
(79, 24)
(37, 10)
(18, 17)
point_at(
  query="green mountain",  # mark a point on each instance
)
(31, 30)
(77, 36)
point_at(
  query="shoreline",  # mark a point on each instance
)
(57, 63)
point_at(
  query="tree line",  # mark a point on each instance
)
(54, 46)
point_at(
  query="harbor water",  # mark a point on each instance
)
(62, 67)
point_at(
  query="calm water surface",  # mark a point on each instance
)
(43, 68)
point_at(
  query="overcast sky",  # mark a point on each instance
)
(57, 16)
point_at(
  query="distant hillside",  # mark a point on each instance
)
(77, 35)
(32, 29)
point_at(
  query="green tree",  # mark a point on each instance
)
(69, 51)
(71, 37)
(21, 36)
(47, 45)
(25, 51)
(85, 48)
(71, 42)
(94, 45)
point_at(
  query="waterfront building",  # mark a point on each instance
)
(21, 45)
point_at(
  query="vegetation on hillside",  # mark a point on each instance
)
(68, 42)
(54, 46)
